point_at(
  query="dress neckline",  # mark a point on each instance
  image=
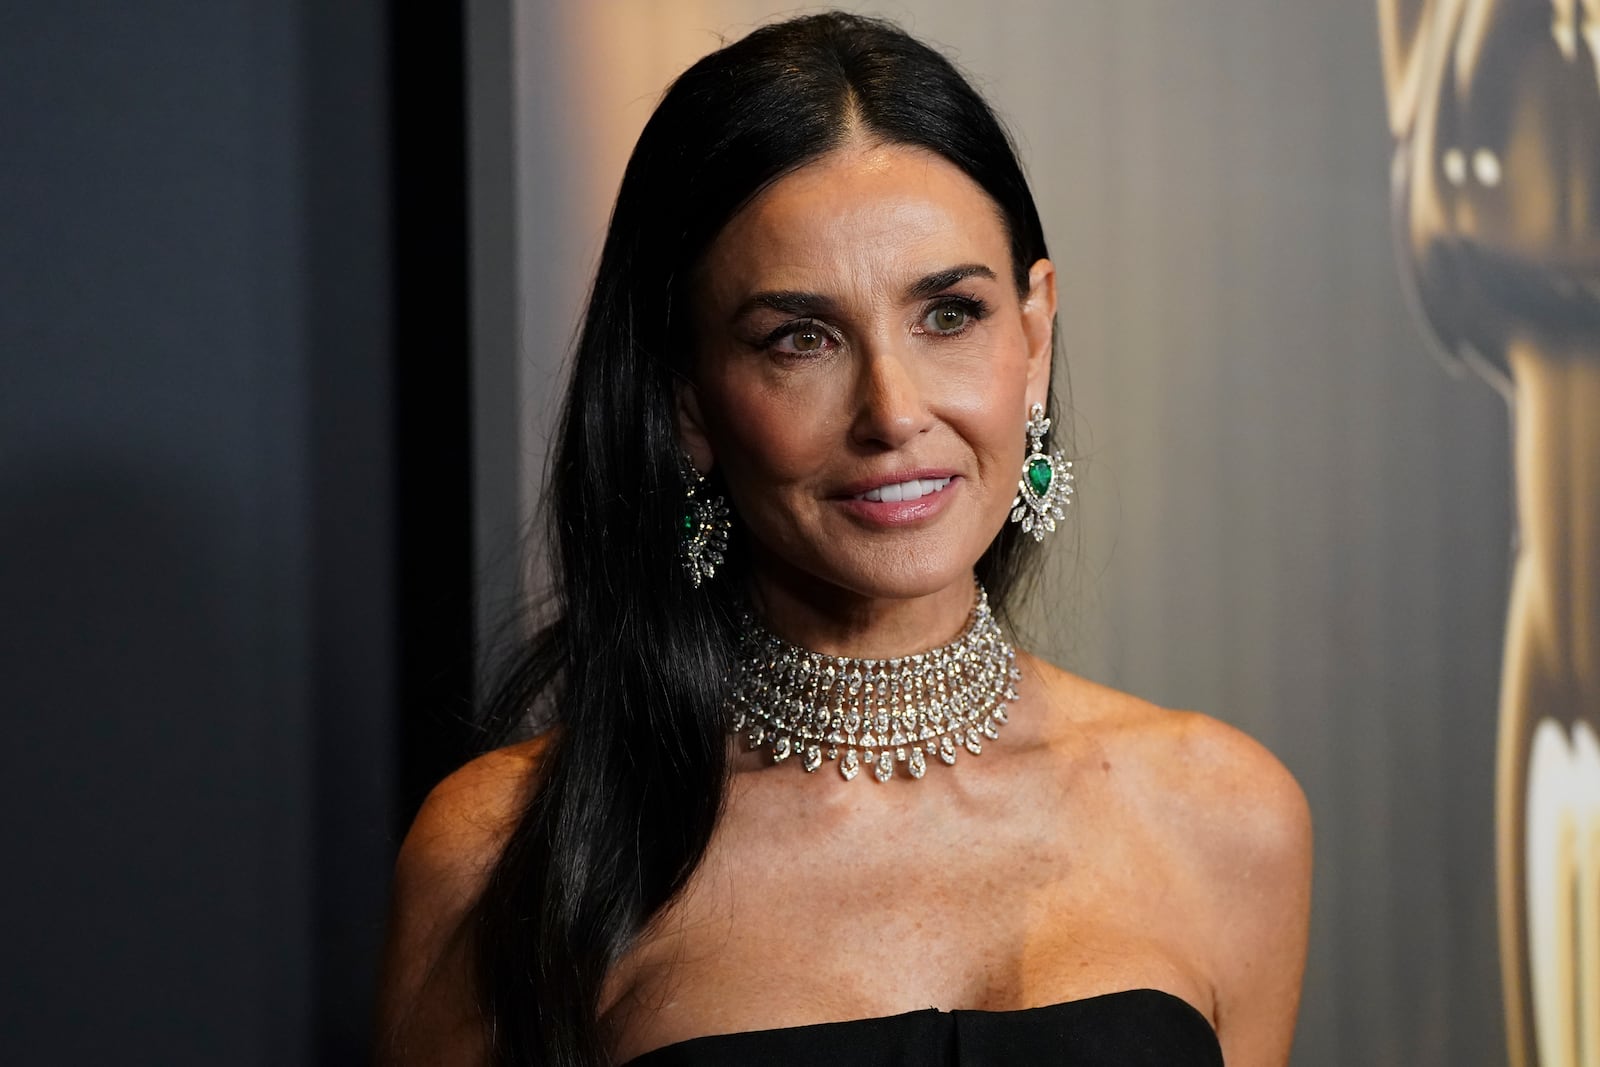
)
(1162, 995)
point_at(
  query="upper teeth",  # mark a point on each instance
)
(915, 488)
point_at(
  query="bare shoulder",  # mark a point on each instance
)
(1242, 829)
(461, 826)
(1231, 797)
(1212, 786)
(1236, 824)
(1230, 826)
(426, 1010)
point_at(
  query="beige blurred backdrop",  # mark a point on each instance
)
(1289, 516)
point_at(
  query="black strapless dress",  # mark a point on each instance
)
(1134, 1028)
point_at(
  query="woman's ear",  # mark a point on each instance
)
(692, 429)
(1038, 326)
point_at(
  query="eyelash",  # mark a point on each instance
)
(976, 311)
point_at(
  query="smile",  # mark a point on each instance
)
(915, 489)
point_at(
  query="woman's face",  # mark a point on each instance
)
(864, 370)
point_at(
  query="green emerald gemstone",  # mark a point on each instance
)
(1039, 474)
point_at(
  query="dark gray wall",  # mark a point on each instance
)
(195, 571)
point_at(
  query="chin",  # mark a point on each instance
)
(901, 574)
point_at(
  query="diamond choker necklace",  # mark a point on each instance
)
(875, 711)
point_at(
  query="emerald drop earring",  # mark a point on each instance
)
(703, 538)
(1046, 481)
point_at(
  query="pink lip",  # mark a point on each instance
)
(883, 513)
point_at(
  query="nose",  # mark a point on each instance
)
(891, 409)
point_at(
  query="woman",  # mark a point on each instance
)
(807, 411)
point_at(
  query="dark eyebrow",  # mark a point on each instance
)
(815, 305)
(788, 301)
(939, 281)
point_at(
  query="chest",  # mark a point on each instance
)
(872, 917)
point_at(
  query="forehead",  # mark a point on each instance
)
(860, 215)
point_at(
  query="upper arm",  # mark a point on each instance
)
(1252, 854)
(427, 1008)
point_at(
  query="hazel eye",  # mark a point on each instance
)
(947, 318)
(802, 338)
(808, 339)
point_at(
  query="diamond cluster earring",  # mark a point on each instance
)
(704, 538)
(1046, 481)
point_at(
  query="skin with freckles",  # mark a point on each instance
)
(860, 323)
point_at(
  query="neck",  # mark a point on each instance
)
(834, 621)
(883, 711)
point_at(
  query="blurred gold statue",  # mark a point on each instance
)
(1495, 110)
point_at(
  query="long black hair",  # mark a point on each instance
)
(631, 667)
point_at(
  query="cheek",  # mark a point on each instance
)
(987, 401)
(768, 433)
